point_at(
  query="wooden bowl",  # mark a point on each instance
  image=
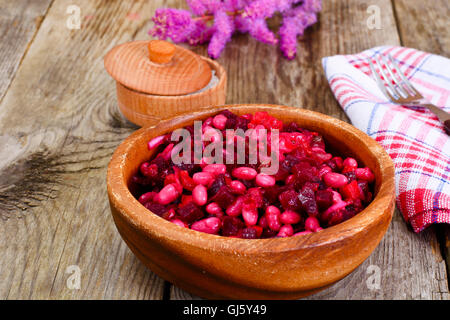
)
(217, 267)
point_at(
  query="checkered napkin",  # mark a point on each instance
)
(413, 137)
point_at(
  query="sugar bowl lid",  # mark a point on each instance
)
(157, 67)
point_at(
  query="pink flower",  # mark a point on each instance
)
(172, 23)
(294, 24)
(266, 8)
(258, 29)
(202, 33)
(197, 7)
(224, 28)
(216, 21)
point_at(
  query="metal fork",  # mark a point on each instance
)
(402, 91)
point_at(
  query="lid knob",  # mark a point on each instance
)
(160, 51)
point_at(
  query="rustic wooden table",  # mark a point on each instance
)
(59, 126)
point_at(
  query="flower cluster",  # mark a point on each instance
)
(215, 21)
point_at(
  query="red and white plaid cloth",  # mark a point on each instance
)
(413, 137)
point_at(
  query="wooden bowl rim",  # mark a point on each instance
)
(138, 216)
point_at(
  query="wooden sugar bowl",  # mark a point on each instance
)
(157, 80)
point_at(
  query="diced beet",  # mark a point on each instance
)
(224, 197)
(291, 127)
(156, 208)
(357, 205)
(281, 174)
(231, 226)
(268, 233)
(304, 172)
(266, 203)
(348, 212)
(312, 185)
(185, 199)
(308, 200)
(324, 199)
(171, 178)
(332, 165)
(301, 166)
(163, 165)
(351, 191)
(227, 113)
(190, 212)
(289, 200)
(190, 168)
(320, 157)
(143, 181)
(216, 185)
(231, 123)
(186, 181)
(365, 194)
(248, 233)
(322, 185)
(317, 142)
(336, 217)
(350, 175)
(241, 123)
(255, 197)
(342, 215)
(289, 162)
(271, 194)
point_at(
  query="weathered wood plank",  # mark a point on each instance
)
(409, 266)
(57, 140)
(446, 252)
(424, 25)
(53, 201)
(19, 21)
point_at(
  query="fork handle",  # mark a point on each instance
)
(443, 116)
(447, 126)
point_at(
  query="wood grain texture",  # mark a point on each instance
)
(19, 21)
(424, 25)
(57, 140)
(60, 124)
(410, 265)
(445, 246)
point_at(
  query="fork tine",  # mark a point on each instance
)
(379, 81)
(405, 80)
(388, 82)
(400, 88)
